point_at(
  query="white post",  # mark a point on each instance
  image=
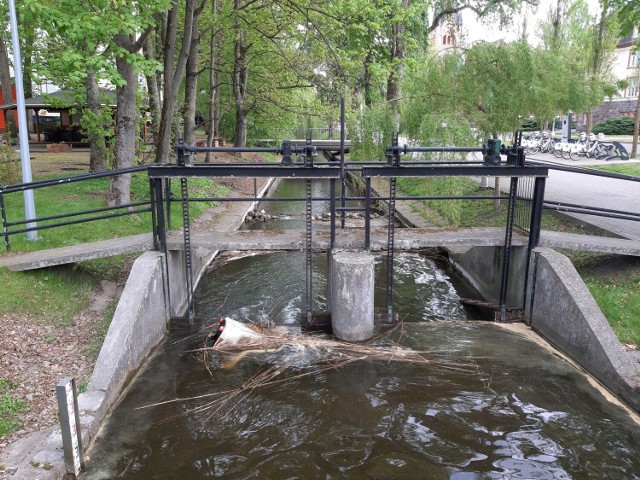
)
(23, 128)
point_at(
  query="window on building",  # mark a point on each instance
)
(634, 59)
(632, 89)
(628, 114)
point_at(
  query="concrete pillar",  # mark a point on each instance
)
(351, 283)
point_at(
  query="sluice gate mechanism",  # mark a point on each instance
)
(299, 161)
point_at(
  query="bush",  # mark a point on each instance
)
(530, 125)
(615, 126)
(9, 165)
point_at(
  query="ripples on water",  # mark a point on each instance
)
(522, 414)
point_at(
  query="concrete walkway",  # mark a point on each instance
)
(405, 239)
(593, 191)
(77, 253)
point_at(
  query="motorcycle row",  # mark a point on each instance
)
(591, 146)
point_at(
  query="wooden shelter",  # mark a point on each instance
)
(54, 117)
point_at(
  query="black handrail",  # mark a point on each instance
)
(72, 179)
(585, 171)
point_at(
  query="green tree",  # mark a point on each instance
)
(628, 12)
(101, 38)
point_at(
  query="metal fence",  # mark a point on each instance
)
(15, 227)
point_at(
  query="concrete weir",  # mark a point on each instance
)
(351, 287)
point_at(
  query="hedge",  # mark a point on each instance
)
(615, 126)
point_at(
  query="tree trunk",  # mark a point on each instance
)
(191, 86)
(125, 137)
(97, 157)
(214, 81)
(636, 127)
(240, 77)
(153, 91)
(367, 77)
(173, 77)
(556, 23)
(398, 54)
(589, 120)
(7, 93)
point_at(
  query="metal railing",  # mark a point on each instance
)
(567, 207)
(299, 161)
(16, 227)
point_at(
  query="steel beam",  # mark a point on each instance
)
(471, 171)
(198, 170)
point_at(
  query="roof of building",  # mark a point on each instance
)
(62, 99)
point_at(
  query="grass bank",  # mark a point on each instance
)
(467, 213)
(618, 296)
(632, 169)
(59, 294)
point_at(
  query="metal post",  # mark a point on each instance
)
(393, 160)
(332, 194)
(367, 214)
(23, 127)
(534, 228)
(343, 176)
(5, 229)
(309, 253)
(160, 242)
(536, 212)
(506, 259)
(168, 196)
(182, 160)
(67, 396)
(154, 223)
(390, 245)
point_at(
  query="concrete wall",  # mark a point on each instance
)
(613, 108)
(562, 310)
(482, 268)
(138, 324)
(200, 258)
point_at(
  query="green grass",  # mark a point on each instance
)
(619, 299)
(10, 409)
(54, 295)
(467, 213)
(632, 169)
(91, 194)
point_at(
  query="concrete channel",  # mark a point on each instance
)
(558, 307)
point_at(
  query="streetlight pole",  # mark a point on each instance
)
(23, 128)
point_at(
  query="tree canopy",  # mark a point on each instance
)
(249, 70)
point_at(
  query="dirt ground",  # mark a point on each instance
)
(35, 356)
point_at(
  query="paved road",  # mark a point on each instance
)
(594, 191)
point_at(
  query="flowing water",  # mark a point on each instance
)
(495, 407)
